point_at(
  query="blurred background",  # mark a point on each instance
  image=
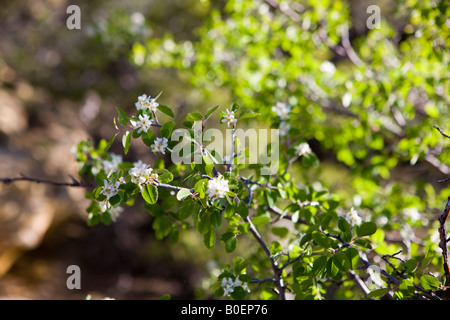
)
(61, 86)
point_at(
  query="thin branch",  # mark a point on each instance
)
(350, 52)
(157, 124)
(278, 281)
(443, 241)
(360, 284)
(276, 270)
(429, 295)
(289, 261)
(441, 132)
(259, 281)
(292, 14)
(388, 276)
(74, 183)
(281, 215)
(233, 134)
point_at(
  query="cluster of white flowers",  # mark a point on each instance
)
(112, 165)
(140, 173)
(159, 145)
(217, 187)
(353, 218)
(143, 124)
(302, 149)
(228, 285)
(282, 110)
(110, 189)
(145, 102)
(228, 117)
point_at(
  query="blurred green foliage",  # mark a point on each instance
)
(370, 117)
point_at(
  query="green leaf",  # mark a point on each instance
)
(110, 142)
(150, 193)
(216, 219)
(319, 265)
(343, 225)
(194, 116)
(164, 297)
(280, 231)
(106, 218)
(210, 111)
(93, 219)
(186, 209)
(100, 179)
(115, 201)
(321, 239)
(230, 244)
(166, 110)
(200, 187)
(234, 107)
(332, 268)
(242, 209)
(204, 225)
(260, 220)
(238, 293)
(245, 278)
(162, 226)
(209, 238)
(239, 264)
(341, 261)
(164, 175)
(246, 114)
(183, 193)
(410, 265)
(366, 229)
(244, 227)
(126, 141)
(428, 282)
(378, 293)
(123, 118)
(167, 129)
(353, 257)
(229, 212)
(148, 138)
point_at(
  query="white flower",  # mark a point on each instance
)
(145, 102)
(142, 102)
(302, 149)
(282, 110)
(159, 145)
(328, 67)
(113, 164)
(353, 218)
(217, 187)
(412, 213)
(140, 173)
(228, 285)
(153, 105)
(144, 123)
(229, 118)
(113, 211)
(284, 128)
(109, 189)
